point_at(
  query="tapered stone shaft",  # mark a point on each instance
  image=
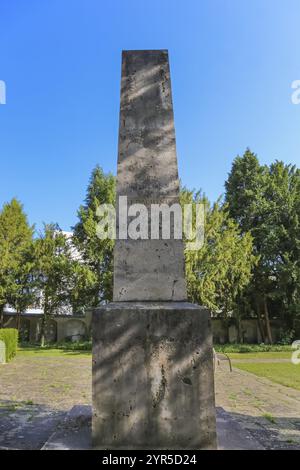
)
(147, 174)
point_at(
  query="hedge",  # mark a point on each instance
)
(10, 338)
(251, 348)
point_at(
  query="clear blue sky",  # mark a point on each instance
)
(232, 65)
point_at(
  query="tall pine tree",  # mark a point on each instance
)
(265, 201)
(96, 254)
(15, 244)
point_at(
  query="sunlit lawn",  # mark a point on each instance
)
(51, 352)
(261, 355)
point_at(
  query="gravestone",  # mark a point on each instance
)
(2, 352)
(152, 350)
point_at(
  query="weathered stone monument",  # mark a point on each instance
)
(152, 350)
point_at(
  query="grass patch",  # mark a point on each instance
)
(287, 374)
(10, 406)
(36, 351)
(65, 346)
(261, 355)
(28, 402)
(251, 348)
(269, 418)
(232, 396)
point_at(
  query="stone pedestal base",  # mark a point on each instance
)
(153, 382)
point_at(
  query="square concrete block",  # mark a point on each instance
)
(153, 384)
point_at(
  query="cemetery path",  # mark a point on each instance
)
(59, 382)
(270, 412)
(36, 392)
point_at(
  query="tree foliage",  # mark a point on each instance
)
(249, 263)
(62, 280)
(218, 272)
(265, 201)
(15, 257)
(97, 254)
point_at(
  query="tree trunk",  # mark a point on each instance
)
(239, 330)
(267, 319)
(43, 330)
(1, 316)
(260, 322)
(18, 320)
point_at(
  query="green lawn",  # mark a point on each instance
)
(261, 355)
(286, 374)
(51, 352)
(251, 348)
(71, 350)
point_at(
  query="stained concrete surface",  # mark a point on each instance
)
(25, 426)
(152, 376)
(74, 432)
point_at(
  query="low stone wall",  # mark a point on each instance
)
(226, 333)
(70, 327)
(59, 328)
(223, 332)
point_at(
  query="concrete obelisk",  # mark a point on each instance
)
(152, 350)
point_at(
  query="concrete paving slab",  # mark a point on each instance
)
(75, 432)
(25, 426)
(231, 435)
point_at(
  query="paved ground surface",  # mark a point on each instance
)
(36, 392)
(59, 382)
(269, 411)
(74, 432)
